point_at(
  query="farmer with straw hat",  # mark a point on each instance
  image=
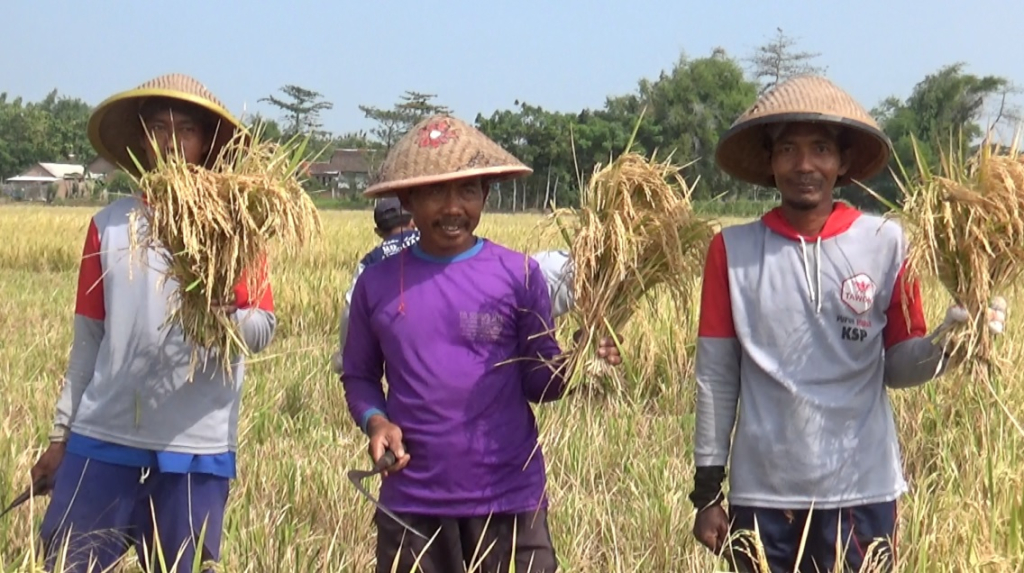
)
(802, 325)
(462, 326)
(395, 226)
(135, 446)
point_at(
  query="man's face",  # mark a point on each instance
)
(446, 215)
(806, 161)
(168, 127)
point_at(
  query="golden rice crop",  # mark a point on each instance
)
(212, 228)
(965, 224)
(635, 231)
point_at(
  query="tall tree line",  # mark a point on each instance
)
(685, 109)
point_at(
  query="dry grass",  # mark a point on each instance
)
(214, 227)
(619, 469)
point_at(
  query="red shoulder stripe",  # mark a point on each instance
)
(897, 328)
(89, 297)
(243, 299)
(715, 304)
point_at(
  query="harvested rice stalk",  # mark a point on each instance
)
(213, 226)
(635, 231)
(965, 225)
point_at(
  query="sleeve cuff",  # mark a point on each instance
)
(59, 433)
(369, 414)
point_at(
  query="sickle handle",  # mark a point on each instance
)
(387, 460)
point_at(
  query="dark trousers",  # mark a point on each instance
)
(866, 537)
(466, 544)
(98, 511)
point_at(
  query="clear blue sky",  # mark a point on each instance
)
(481, 55)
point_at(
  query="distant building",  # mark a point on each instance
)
(348, 171)
(100, 168)
(48, 181)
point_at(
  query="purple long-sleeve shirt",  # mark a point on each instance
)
(462, 339)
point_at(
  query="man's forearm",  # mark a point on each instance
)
(85, 346)
(257, 327)
(913, 362)
(718, 390)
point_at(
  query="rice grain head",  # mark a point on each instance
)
(212, 228)
(635, 233)
(965, 225)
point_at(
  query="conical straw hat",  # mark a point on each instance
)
(115, 125)
(440, 149)
(743, 151)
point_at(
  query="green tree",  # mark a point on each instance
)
(67, 120)
(354, 140)
(393, 123)
(302, 108)
(23, 136)
(271, 129)
(777, 60)
(692, 105)
(943, 110)
(687, 108)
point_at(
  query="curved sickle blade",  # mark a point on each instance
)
(39, 487)
(357, 477)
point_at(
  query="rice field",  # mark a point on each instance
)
(619, 471)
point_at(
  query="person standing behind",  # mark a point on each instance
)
(397, 231)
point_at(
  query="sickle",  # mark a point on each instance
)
(357, 476)
(38, 487)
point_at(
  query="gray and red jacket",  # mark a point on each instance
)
(799, 339)
(126, 381)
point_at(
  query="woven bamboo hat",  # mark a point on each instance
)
(743, 151)
(441, 149)
(115, 125)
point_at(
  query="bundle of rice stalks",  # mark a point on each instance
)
(965, 225)
(634, 232)
(213, 226)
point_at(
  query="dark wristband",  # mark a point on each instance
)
(707, 486)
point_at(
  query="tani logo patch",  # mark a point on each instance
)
(858, 293)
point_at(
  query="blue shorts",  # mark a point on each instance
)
(99, 510)
(866, 533)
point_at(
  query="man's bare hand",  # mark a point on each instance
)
(386, 436)
(711, 528)
(46, 466)
(224, 306)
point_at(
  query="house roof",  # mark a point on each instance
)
(321, 168)
(31, 179)
(342, 161)
(101, 166)
(61, 170)
(50, 172)
(349, 161)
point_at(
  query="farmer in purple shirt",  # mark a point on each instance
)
(395, 226)
(465, 328)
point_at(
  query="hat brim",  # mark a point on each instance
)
(115, 126)
(497, 173)
(742, 154)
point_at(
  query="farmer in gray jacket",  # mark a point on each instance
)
(139, 454)
(802, 326)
